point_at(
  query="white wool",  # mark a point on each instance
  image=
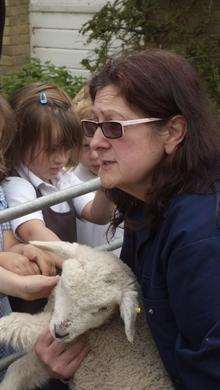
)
(94, 287)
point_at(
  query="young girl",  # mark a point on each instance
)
(48, 136)
(18, 259)
(89, 233)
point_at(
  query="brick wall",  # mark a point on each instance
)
(16, 39)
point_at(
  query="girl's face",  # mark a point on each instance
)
(47, 165)
(126, 162)
(89, 158)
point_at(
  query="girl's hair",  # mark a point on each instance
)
(7, 133)
(82, 103)
(162, 84)
(44, 113)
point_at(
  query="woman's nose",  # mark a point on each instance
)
(98, 141)
(93, 154)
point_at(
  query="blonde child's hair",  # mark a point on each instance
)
(44, 112)
(7, 133)
(83, 104)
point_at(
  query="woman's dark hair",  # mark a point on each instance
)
(162, 84)
(53, 122)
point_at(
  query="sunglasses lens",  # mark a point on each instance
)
(89, 128)
(112, 129)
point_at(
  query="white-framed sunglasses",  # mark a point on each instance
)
(112, 129)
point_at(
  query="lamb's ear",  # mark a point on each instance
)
(64, 249)
(128, 310)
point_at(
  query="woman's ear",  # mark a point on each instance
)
(176, 129)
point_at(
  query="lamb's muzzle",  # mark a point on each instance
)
(59, 335)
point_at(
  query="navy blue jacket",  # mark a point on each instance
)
(179, 274)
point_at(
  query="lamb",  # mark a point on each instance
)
(92, 287)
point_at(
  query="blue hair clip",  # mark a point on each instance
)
(43, 98)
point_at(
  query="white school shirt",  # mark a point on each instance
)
(89, 233)
(22, 189)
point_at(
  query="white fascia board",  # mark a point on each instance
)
(76, 6)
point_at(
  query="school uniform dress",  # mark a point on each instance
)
(89, 233)
(179, 274)
(25, 186)
(4, 303)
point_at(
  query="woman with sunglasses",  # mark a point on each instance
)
(159, 153)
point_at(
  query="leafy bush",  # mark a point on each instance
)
(34, 70)
(181, 26)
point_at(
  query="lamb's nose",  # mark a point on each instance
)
(58, 334)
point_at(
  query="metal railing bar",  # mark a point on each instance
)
(49, 200)
(115, 244)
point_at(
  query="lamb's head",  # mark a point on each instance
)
(92, 285)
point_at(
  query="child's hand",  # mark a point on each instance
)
(18, 264)
(35, 286)
(43, 259)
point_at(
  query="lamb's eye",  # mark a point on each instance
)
(103, 308)
(99, 310)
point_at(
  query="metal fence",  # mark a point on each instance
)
(38, 204)
(49, 200)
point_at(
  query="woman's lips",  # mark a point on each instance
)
(107, 162)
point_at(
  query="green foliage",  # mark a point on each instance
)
(34, 70)
(181, 26)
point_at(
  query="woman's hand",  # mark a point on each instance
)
(62, 360)
(18, 264)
